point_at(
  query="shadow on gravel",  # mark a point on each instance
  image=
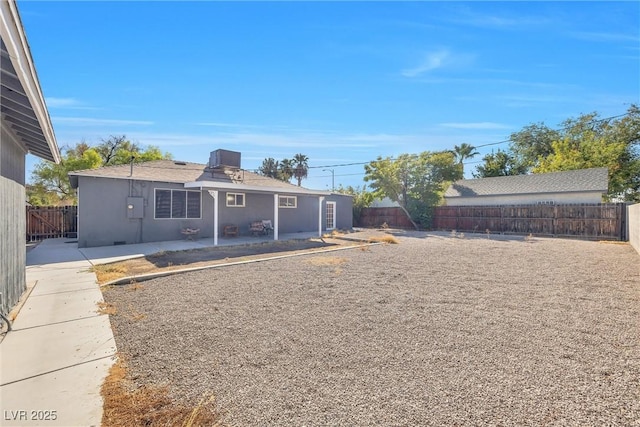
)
(177, 258)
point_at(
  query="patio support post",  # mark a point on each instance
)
(275, 216)
(214, 194)
(320, 200)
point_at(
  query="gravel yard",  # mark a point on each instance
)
(436, 330)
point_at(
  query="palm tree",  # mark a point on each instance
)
(463, 152)
(285, 171)
(301, 169)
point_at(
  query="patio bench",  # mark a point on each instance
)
(261, 227)
(230, 230)
(190, 233)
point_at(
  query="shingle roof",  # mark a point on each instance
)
(184, 172)
(581, 180)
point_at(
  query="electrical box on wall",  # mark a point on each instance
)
(135, 207)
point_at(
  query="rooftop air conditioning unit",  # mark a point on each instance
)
(224, 159)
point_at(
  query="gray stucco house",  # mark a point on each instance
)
(158, 200)
(568, 187)
(25, 128)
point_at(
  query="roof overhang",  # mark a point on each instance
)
(22, 104)
(215, 185)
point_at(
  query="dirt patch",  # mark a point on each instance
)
(178, 260)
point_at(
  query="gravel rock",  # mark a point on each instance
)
(436, 330)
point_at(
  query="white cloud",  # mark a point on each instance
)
(443, 58)
(61, 102)
(476, 125)
(89, 121)
(432, 61)
(606, 37)
(467, 16)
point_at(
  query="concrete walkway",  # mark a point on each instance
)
(59, 352)
(60, 349)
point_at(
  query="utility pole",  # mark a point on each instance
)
(333, 182)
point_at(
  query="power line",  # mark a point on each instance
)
(413, 155)
(476, 146)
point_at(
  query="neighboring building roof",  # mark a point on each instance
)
(24, 111)
(581, 180)
(193, 175)
(384, 203)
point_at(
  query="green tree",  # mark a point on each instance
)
(588, 142)
(361, 199)
(118, 150)
(463, 152)
(501, 163)
(529, 145)
(285, 169)
(415, 182)
(269, 168)
(50, 181)
(301, 167)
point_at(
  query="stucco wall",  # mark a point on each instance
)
(633, 221)
(344, 211)
(564, 198)
(12, 222)
(102, 213)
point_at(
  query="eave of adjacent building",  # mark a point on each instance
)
(23, 106)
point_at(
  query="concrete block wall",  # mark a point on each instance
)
(633, 222)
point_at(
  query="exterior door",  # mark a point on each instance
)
(331, 215)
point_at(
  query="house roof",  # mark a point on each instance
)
(194, 175)
(581, 180)
(22, 104)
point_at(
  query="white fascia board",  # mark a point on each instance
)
(15, 40)
(205, 185)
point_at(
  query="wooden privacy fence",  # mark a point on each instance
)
(45, 222)
(588, 221)
(375, 217)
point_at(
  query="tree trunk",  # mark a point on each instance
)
(409, 216)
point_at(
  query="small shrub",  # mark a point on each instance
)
(107, 272)
(384, 239)
(326, 260)
(106, 308)
(150, 405)
(135, 286)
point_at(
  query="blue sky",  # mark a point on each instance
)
(342, 82)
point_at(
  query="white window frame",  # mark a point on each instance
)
(186, 208)
(287, 199)
(235, 200)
